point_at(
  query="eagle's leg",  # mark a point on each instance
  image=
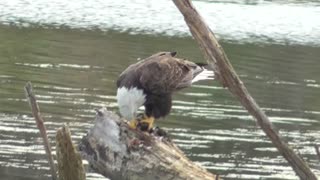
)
(142, 121)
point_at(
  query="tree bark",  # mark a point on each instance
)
(118, 152)
(70, 165)
(226, 75)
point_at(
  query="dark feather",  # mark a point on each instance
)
(160, 73)
(159, 76)
(201, 64)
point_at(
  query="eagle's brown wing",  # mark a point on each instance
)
(165, 74)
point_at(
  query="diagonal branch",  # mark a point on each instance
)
(226, 75)
(317, 151)
(39, 121)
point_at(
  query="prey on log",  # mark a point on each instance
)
(116, 151)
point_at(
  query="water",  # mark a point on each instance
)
(281, 22)
(73, 69)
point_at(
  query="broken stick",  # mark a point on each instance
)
(40, 124)
(70, 165)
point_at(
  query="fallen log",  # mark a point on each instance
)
(119, 152)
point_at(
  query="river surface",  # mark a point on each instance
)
(73, 51)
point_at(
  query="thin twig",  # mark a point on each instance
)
(217, 177)
(39, 121)
(317, 151)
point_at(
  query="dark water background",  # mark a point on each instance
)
(73, 70)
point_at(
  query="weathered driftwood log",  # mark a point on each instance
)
(118, 152)
(226, 75)
(70, 165)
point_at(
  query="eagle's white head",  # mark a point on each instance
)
(129, 101)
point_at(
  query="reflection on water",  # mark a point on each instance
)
(74, 72)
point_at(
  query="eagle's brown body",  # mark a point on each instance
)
(153, 80)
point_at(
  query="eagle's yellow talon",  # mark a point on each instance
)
(133, 124)
(142, 122)
(149, 121)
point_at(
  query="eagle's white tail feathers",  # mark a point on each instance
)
(204, 75)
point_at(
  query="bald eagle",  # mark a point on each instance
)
(150, 83)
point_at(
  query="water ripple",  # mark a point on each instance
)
(263, 22)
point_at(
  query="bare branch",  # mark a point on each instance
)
(40, 124)
(226, 75)
(317, 151)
